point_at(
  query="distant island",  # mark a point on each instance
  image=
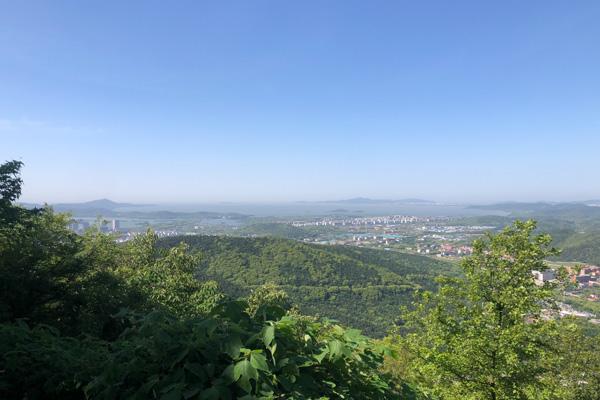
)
(111, 209)
(100, 204)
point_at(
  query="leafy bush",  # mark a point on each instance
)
(226, 355)
(39, 363)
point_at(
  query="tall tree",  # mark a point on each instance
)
(37, 262)
(485, 335)
(10, 180)
(10, 189)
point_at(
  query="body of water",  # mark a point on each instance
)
(306, 209)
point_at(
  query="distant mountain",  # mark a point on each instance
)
(534, 206)
(179, 215)
(101, 204)
(561, 220)
(573, 210)
(111, 209)
(514, 206)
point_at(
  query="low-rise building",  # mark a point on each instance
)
(541, 277)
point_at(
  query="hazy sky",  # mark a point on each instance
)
(174, 101)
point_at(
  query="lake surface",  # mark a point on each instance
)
(318, 209)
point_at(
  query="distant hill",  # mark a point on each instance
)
(574, 226)
(111, 209)
(514, 207)
(101, 204)
(94, 206)
(359, 287)
(280, 230)
(575, 211)
(581, 247)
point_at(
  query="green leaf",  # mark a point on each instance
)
(268, 335)
(228, 374)
(352, 334)
(336, 348)
(244, 369)
(319, 357)
(245, 384)
(259, 362)
(233, 346)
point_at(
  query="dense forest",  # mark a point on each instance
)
(362, 288)
(274, 229)
(84, 317)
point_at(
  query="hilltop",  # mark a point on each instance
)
(101, 204)
(359, 287)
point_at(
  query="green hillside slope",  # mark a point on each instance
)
(581, 247)
(363, 288)
(286, 231)
(575, 229)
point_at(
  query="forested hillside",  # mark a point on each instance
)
(582, 247)
(274, 229)
(359, 287)
(85, 317)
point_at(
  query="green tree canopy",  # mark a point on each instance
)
(85, 317)
(485, 335)
(10, 180)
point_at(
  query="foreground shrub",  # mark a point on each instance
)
(226, 355)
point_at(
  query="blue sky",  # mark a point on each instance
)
(273, 100)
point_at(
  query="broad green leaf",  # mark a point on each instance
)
(244, 369)
(259, 362)
(268, 335)
(336, 348)
(228, 374)
(319, 357)
(233, 346)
